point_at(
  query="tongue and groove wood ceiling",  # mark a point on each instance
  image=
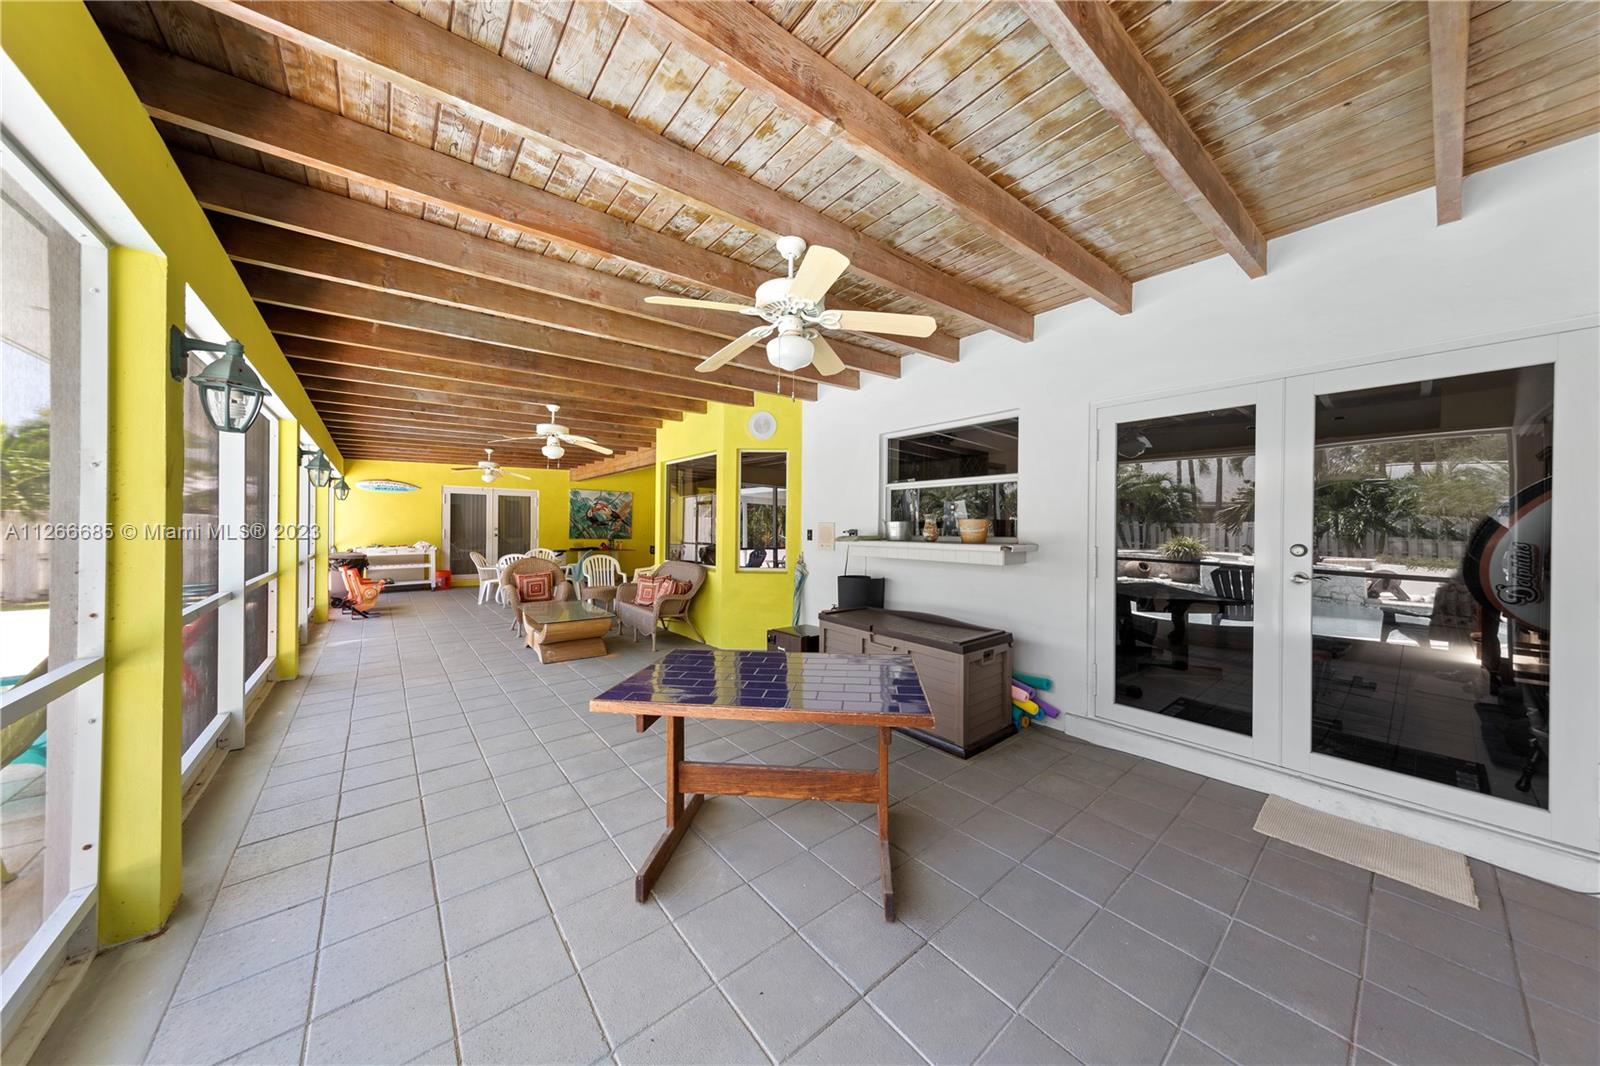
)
(450, 212)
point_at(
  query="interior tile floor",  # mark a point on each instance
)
(437, 867)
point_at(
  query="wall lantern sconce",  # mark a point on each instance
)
(230, 392)
(341, 489)
(320, 470)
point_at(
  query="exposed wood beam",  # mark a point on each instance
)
(614, 464)
(1092, 40)
(334, 298)
(1449, 29)
(281, 249)
(579, 379)
(234, 190)
(506, 451)
(422, 449)
(344, 385)
(351, 380)
(414, 53)
(487, 428)
(452, 409)
(753, 50)
(580, 396)
(230, 109)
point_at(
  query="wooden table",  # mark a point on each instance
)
(562, 630)
(769, 686)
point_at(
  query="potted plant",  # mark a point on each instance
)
(1185, 554)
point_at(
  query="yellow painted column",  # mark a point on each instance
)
(319, 569)
(141, 821)
(288, 660)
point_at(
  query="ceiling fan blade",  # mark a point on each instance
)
(463, 468)
(502, 440)
(728, 351)
(884, 322)
(824, 358)
(703, 305)
(513, 473)
(585, 442)
(818, 270)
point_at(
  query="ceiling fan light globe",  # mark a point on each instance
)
(790, 351)
(552, 450)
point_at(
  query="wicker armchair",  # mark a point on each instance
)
(643, 619)
(531, 565)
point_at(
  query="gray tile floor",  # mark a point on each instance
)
(439, 868)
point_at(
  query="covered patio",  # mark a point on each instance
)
(821, 531)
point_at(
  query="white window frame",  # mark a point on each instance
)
(666, 497)
(739, 548)
(69, 929)
(890, 487)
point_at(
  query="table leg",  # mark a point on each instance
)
(679, 814)
(885, 734)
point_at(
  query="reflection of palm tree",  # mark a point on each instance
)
(1240, 509)
(1351, 510)
(1156, 503)
(25, 467)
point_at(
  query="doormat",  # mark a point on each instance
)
(1426, 866)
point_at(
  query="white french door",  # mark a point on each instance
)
(1187, 567)
(493, 522)
(1366, 576)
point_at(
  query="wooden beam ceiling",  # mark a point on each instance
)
(343, 386)
(747, 46)
(286, 250)
(414, 53)
(1092, 40)
(487, 428)
(1449, 26)
(615, 464)
(334, 298)
(249, 194)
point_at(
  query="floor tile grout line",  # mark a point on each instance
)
(211, 904)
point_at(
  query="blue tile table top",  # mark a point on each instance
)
(774, 686)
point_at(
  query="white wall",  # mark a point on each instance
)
(1382, 281)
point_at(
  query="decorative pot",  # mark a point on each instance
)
(973, 530)
(930, 529)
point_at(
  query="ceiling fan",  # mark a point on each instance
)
(794, 314)
(492, 470)
(554, 434)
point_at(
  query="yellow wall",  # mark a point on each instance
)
(368, 518)
(736, 608)
(60, 51)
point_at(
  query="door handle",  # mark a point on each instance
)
(1300, 577)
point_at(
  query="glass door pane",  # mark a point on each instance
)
(466, 529)
(513, 524)
(1430, 590)
(1184, 570)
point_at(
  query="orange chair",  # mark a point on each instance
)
(361, 595)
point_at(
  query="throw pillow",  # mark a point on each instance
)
(659, 587)
(536, 587)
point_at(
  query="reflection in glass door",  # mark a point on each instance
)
(1187, 593)
(513, 522)
(1430, 583)
(1185, 569)
(466, 528)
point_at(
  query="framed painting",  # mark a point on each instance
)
(600, 514)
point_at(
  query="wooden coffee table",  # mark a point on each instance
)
(562, 630)
(770, 686)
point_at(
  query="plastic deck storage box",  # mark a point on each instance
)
(965, 669)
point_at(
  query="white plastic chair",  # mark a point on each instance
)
(488, 577)
(601, 571)
(502, 597)
(644, 571)
(548, 553)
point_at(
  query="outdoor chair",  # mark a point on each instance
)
(488, 577)
(650, 617)
(602, 575)
(500, 569)
(361, 593)
(561, 587)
